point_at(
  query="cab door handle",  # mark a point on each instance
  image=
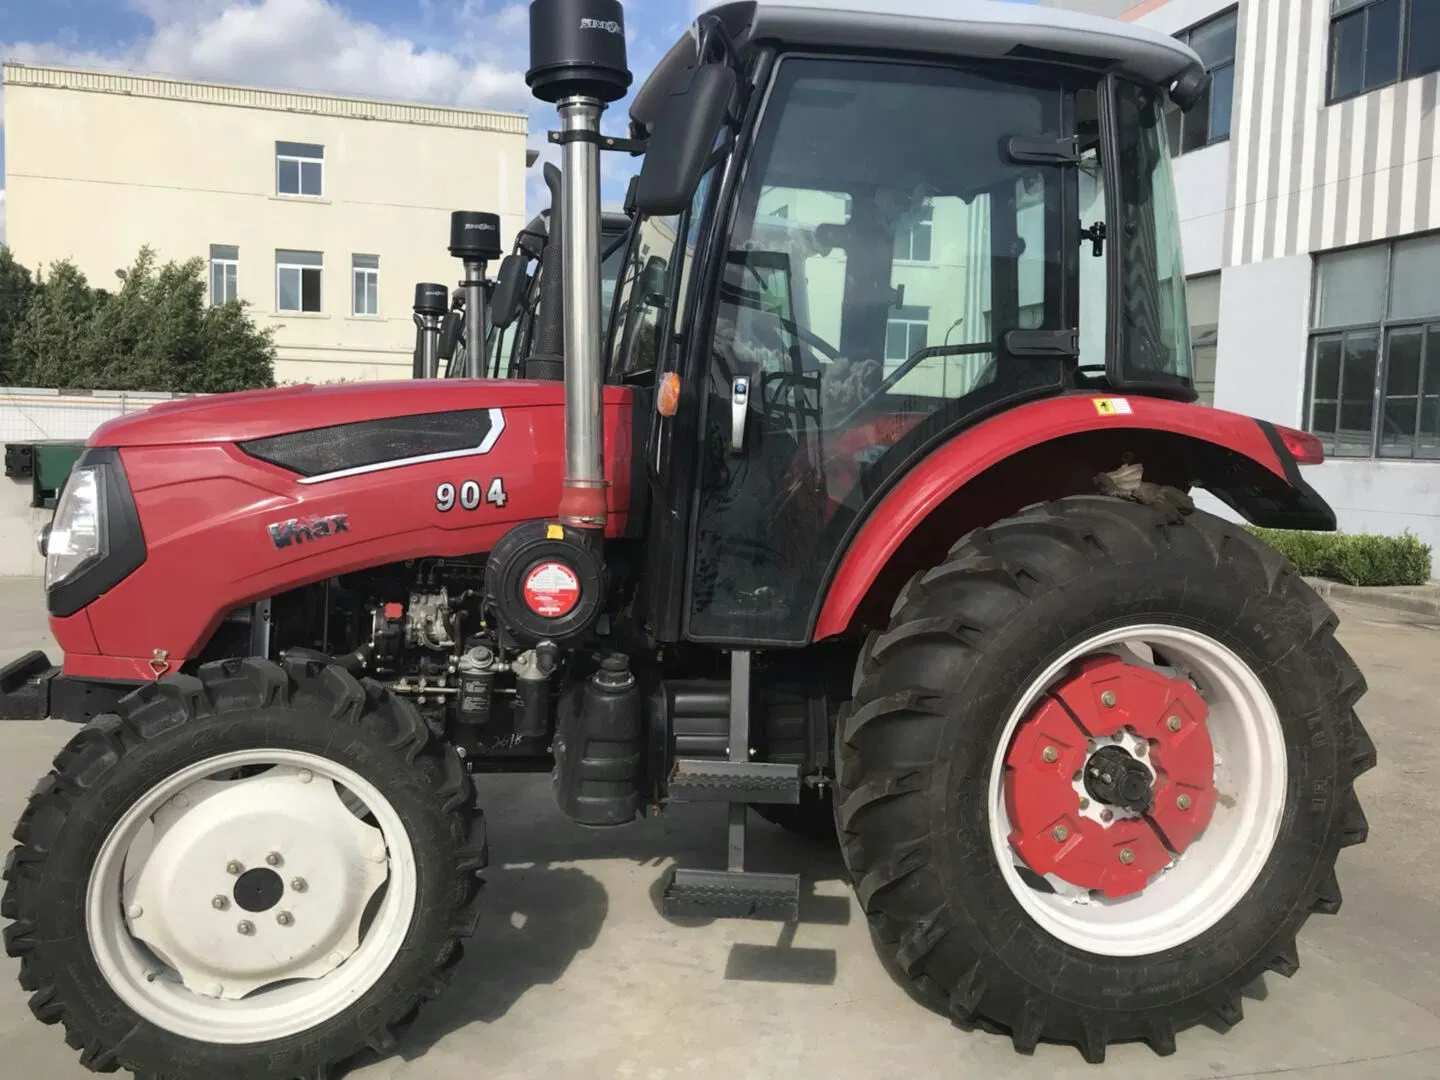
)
(739, 412)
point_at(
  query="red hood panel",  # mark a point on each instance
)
(255, 414)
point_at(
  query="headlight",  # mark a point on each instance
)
(77, 535)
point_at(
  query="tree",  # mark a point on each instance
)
(157, 332)
(17, 288)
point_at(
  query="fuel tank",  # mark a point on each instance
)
(243, 496)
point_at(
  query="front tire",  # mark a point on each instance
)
(259, 872)
(977, 648)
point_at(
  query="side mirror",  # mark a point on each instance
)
(682, 138)
(509, 291)
(451, 331)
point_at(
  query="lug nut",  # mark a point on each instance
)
(1142, 749)
(246, 927)
(298, 884)
(1127, 856)
(1108, 699)
(1107, 815)
(1084, 803)
(220, 903)
(284, 918)
(306, 776)
(1173, 723)
(1183, 802)
(233, 868)
(273, 859)
(1060, 833)
(134, 911)
(1050, 753)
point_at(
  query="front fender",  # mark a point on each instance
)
(1055, 447)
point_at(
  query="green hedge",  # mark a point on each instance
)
(1359, 559)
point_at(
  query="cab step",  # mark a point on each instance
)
(732, 894)
(708, 780)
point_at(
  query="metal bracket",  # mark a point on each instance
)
(635, 147)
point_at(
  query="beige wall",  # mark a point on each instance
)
(97, 165)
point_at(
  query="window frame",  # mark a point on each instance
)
(909, 316)
(300, 160)
(230, 266)
(1383, 329)
(318, 267)
(927, 222)
(1183, 36)
(372, 275)
(1402, 66)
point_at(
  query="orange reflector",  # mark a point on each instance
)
(667, 400)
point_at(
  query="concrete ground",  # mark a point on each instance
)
(575, 973)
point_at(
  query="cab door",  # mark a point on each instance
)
(883, 248)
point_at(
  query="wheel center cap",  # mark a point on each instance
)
(1114, 777)
(259, 889)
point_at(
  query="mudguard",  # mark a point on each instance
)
(1247, 463)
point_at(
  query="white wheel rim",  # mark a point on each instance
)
(182, 961)
(1210, 878)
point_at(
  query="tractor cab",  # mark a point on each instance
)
(859, 235)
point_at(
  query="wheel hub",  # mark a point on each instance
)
(1115, 777)
(1111, 777)
(217, 842)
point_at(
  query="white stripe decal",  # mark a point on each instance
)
(497, 425)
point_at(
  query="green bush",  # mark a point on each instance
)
(157, 331)
(1359, 559)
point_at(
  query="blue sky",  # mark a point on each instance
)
(461, 52)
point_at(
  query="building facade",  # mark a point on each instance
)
(319, 212)
(1310, 205)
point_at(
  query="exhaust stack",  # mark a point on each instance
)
(431, 304)
(578, 64)
(475, 241)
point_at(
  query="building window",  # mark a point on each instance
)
(1374, 43)
(908, 332)
(1209, 120)
(297, 280)
(912, 241)
(1375, 351)
(224, 274)
(299, 169)
(1202, 301)
(365, 275)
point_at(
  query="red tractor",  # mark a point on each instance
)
(867, 506)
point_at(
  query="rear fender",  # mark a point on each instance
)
(1048, 450)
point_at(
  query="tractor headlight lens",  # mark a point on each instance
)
(77, 535)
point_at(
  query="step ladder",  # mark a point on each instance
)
(734, 893)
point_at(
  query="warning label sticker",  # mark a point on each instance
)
(552, 589)
(1112, 406)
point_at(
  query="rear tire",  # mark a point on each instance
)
(926, 734)
(80, 967)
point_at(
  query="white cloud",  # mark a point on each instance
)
(455, 54)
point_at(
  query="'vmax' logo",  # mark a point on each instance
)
(295, 531)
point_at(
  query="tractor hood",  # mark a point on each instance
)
(256, 414)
